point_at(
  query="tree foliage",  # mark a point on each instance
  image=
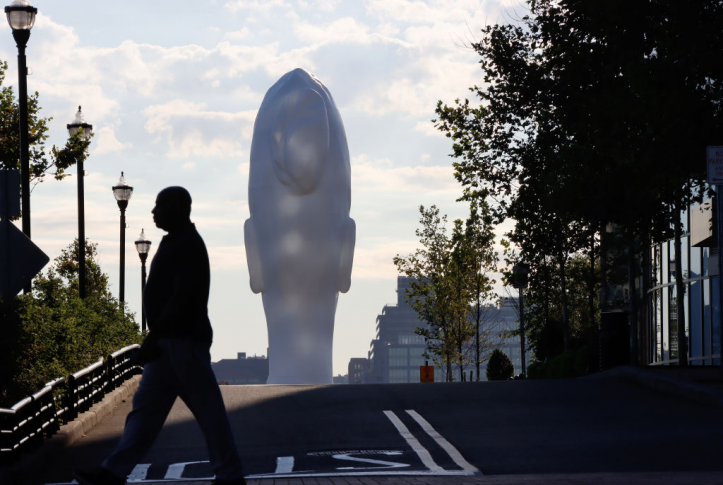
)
(57, 161)
(590, 113)
(500, 367)
(452, 287)
(52, 332)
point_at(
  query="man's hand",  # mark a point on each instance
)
(148, 352)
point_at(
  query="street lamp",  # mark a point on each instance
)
(520, 273)
(143, 245)
(79, 125)
(122, 193)
(21, 17)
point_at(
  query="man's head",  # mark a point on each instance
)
(173, 208)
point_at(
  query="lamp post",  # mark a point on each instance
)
(122, 193)
(80, 126)
(519, 280)
(143, 245)
(21, 17)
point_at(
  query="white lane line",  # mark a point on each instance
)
(284, 464)
(446, 445)
(175, 471)
(420, 450)
(367, 473)
(139, 473)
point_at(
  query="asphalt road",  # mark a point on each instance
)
(493, 428)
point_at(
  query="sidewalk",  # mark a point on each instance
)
(697, 383)
(686, 478)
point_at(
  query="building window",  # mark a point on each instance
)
(673, 319)
(398, 376)
(716, 319)
(398, 357)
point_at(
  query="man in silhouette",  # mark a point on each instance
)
(175, 354)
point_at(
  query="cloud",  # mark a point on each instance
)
(255, 5)
(323, 5)
(340, 30)
(371, 176)
(242, 34)
(105, 141)
(227, 257)
(373, 257)
(410, 11)
(191, 131)
(427, 127)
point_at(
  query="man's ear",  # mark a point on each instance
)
(253, 257)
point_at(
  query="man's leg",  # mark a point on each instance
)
(200, 392)
(151, 404)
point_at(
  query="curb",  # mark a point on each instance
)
(701, 393)
(25, 471)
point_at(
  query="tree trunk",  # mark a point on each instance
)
(603, 267)
(460, 349)
(603, 288)
(592, 325)
(477, 347)
(563, 288)
(545, 269)
(680, 290)
(633, 295)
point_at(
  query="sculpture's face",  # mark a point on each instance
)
(299, 239)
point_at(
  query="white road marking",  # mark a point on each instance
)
(420, 450)
(176, 470)
(284, 464)
(425, 473)
(139, 473)
(385, 464)
(446, 445)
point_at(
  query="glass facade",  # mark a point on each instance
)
(701, 300)
(397, 353)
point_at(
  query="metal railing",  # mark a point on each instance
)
(37, 417)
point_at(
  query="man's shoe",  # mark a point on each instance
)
(98, 476)
(235, 481)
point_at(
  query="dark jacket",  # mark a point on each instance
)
(176, 294)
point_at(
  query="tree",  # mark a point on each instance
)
(42, 164)
(476, 246)
(591, 113)
(452, 290)
(52, 332)
(500, 367)
(438, 292)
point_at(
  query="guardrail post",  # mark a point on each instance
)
(69, 403)
(109, 374)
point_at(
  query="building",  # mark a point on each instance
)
(340, 379)
(242, 370)
(699, 263)
(396, 353)
(358, 367)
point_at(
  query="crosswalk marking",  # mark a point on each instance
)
(285, 464)
(442, 442)
(420, 450)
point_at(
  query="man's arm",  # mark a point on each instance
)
(189, 283)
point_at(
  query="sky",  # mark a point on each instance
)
(172, 89)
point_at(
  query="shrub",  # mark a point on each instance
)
(499, 367)
(53, 332)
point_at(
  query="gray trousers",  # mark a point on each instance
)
(183, 369)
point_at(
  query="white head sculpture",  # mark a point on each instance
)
(299, 239)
